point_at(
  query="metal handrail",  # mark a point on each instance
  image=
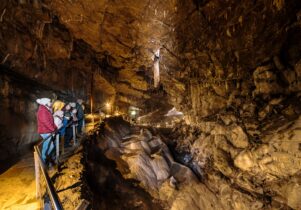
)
(39, 162)
(56, 132)
(51, 190)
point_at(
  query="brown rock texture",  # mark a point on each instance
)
(232, 67)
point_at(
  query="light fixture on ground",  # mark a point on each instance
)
(108, 107)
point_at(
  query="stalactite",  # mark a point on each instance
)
(156, 68)
(1, 17)
(5, 58)
(22, 2)
(36, 4)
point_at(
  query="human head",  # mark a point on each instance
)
(44, 102)
(58, 105)
(67, 107)
(72, 104)
(80, 101)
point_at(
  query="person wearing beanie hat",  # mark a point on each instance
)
(44, 101)
(46, 125)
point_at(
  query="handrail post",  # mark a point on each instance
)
(62, 144)
(57, 145)
(37, 175)
(74, 134)
(84, 126)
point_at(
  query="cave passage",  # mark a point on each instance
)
(150, 104)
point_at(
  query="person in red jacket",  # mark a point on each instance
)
(46, 126)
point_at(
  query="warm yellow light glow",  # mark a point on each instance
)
(108, 105)
(133, 113)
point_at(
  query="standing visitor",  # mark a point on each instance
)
(80, 115)
(46, 126)
(58, 117)
(57, 105)
(61, 123)
(68, 125)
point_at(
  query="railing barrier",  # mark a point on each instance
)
(41, 167)
(57, 145)
(39, 164)
(74, 134)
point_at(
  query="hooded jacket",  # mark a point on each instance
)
(45, 120)
(58, 117)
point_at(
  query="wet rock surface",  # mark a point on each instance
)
(139, 155)
(106, 173)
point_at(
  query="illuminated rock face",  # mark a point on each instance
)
(212, 53)
(233, 68)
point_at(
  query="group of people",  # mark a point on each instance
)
(57, 118)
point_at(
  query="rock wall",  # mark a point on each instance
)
(39, 58)
(18, 95)
(209, 50)
(247, 164)
(18, 109)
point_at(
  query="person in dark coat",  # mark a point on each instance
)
(80, 115)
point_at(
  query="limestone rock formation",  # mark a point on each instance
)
(232, 68)
(147, 159)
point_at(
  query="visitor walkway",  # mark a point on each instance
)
(17, 184)
(18, 187)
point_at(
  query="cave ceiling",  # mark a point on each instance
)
(209, 50)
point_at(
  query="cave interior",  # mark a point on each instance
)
(198, 101)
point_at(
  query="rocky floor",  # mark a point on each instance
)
(139, 158)
(88, 176)
(220, 170)
(122, 166)
(243, 173)
(113, 191)
(69, 182)
(212, 166)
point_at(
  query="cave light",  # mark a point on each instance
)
(133, 113)
(108, 106)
